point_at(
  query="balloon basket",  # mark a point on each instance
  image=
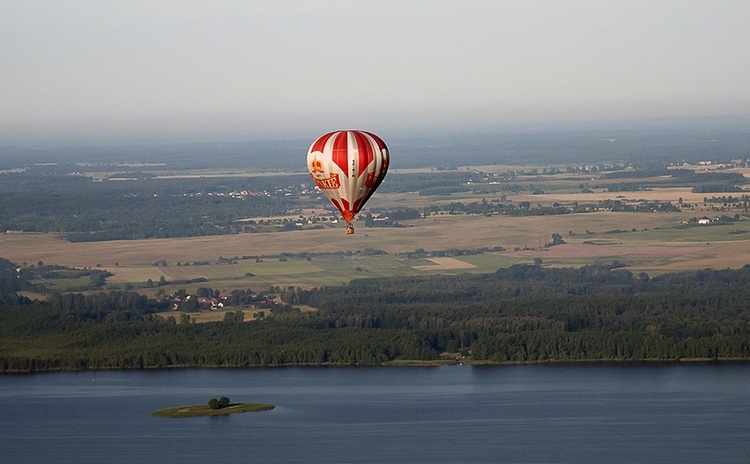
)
(349, 229)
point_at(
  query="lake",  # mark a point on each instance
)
(541, 414)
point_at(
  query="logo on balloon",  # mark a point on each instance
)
(330, 183)
(316, 165)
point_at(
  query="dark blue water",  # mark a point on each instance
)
(550, 414)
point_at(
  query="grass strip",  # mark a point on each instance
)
(200, 410)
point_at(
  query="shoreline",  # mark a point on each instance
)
(417, 363)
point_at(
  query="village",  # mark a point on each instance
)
(207, 299)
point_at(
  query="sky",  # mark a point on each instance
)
(76, 71)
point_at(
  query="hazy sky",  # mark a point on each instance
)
(73, 70)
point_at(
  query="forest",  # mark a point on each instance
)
(520, 314)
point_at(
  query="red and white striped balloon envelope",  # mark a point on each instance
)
(347, 166)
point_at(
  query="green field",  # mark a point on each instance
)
(323, 270)
(63, 284)
(734, 232)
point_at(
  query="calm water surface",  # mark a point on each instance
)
(549, 414)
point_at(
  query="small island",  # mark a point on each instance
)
(213, 408)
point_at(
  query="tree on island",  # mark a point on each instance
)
(213, 403)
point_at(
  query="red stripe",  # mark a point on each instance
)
(365, 151)
(340, 154)
(384, 150)
(337, 205)
(319, 144)
(358, 204)
(343, 207)
(380, 142)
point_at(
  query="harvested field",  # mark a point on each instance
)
(434, 233)
(445, 264)
(200, 317)
(652, 242)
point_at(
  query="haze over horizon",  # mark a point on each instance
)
(82, 72)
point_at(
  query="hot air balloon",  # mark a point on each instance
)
(347, 166)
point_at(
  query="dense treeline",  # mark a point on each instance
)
(144, 342)
(528, 313)
(93, 211)
(525, 313)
